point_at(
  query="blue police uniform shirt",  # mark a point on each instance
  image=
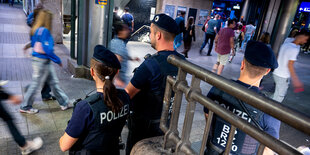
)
(146, 78)
(83, 122)
(268, 123)
(44, 36)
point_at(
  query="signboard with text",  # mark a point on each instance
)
(304, 7)
(101, 2)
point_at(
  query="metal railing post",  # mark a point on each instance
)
(206, 133)
(189, 116)
(193, 94)
(173, 127)
(230, 139)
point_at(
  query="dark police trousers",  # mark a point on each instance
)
(140, 129)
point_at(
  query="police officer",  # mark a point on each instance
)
(97, 121)
(147, 86)
(258, 61)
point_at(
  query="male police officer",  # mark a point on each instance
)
(147, 86)
(258, 61)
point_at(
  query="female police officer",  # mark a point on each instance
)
(97, 121)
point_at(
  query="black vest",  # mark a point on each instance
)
(103, 137)
(243, 144)
(148, 103)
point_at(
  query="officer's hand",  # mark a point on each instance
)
(15, 99)
(131, 29)
(60, 64)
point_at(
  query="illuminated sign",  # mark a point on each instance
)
(101, 2)
(236, 7)
(304, 7)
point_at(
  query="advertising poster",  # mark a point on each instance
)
(202, 17)
(169, 10)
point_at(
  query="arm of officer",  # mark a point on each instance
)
(140, 79)
(66, 142)
(131, 90)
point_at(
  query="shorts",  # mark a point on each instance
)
(223, 59)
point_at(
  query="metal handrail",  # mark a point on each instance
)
(142, 27)
(193, 95)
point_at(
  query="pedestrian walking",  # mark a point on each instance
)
(189, 35)
(291, 36)
(11, 3)
(97, 121)
(116, 20)
(210, 34)
(265, 38)
(43, 70)
(286, 72)
(249, 31)
(224, 44)
(128, 19)
(219, 23)
(46, 90)
(257, 62)
(181, 26)
(237, 42)
(118, 47)
(26, 146)
(239, 36)
(146, 88)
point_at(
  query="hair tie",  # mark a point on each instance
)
(107, 77)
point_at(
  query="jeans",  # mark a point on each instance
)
(247, 37)
(178, 41)
(43, 71)
(19, 139)
(207, 37)
(282, 85)
(45, 92)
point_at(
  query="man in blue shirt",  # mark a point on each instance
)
(128, 19)
(147, 87)
(210, 33)
(181, 26)
(258, 61)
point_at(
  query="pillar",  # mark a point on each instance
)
(286, 16)
(245, 9)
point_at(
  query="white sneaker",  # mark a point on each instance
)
(29, 111)
(64, 107)
(31, 146)
(3, 82)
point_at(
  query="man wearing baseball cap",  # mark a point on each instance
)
(258, 61)
(146, 88)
